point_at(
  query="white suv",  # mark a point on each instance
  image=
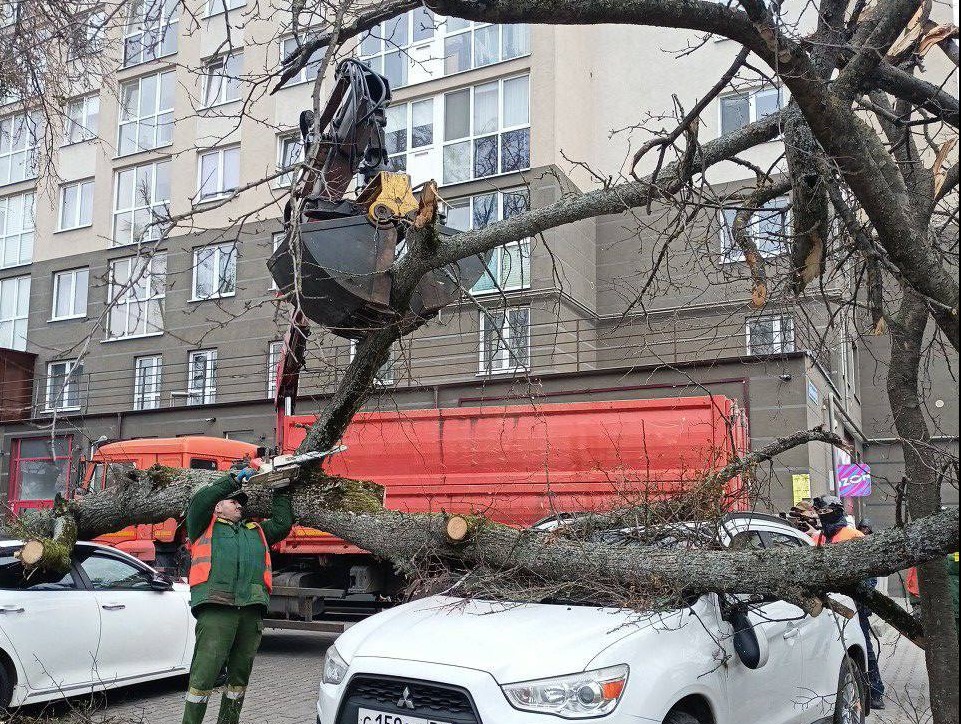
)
(722, 660)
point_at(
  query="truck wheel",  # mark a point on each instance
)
(680, 717)
(849, 703)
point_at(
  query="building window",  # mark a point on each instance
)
(76, 205)
(277, 240)
(9, 12)
(770, 335)
(40, 468)
(14, 308)
(16, 229)
(385, 375)
(769, 228)
(70, 294)
(469, 44)
(410, 129)
(202, 377)
(505, 340)
(290, 46)
(273, 359)
(215, 271)
(509, 268)
(151, 31)
(146, 382)
(487, 130)
(136, 296)
(140, 205)
(83, 119)
(146, 113)
(88, 35)
(215, 7)
(222, 83)
(219, 172)
(63, 385)
(19, 136)
(290, 152)
(385, 48)
(740, 109)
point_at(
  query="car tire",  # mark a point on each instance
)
(680, 717)
(849, 706)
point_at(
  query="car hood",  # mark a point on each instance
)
(511, 641)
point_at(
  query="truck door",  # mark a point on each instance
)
(39, 469)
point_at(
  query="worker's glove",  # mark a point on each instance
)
(242, 476)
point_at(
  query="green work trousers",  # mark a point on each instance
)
(225, 635)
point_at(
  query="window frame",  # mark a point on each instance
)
(471, 29)
(220, 152)
(71, 382)
(226, 81)
(147, 277)
(784, 335)
(282, 182)
(25, 236)
(78, 221)
(73, 275)
(30, 124)
(228, 248)
(274, 351)
(308, 73)
(505, 368)
(87, 130)
(472, 137)
(147, 382)
(729, 249)
(385, 375)
(752, 96)
(209, 390)
(20, 311)
(153, 229)
(136, 119)
(160, 27)
(209, 12)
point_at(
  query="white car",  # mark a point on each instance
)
(447, 660)
(109, 621)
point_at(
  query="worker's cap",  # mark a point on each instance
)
(239, 495)
(827, 502)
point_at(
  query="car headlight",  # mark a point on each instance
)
(576, 696)
(335, 668)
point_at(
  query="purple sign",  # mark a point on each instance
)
(854, 480)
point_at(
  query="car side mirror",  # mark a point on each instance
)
(751, 649)
(160, 582)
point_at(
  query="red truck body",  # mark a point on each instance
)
(518, 464)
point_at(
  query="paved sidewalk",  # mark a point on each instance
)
(283, 689)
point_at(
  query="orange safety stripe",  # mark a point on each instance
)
(201, 551)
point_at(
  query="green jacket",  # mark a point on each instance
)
(237, 551)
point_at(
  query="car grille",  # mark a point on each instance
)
(431, 700)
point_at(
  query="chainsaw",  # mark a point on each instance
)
(282, 470)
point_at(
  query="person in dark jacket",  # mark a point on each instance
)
(230, 581)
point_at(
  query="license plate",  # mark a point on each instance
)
(369, 716)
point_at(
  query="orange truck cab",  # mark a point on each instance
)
(159, 544)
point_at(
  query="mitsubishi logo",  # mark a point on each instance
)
(405, 700)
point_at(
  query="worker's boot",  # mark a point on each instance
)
(231, 703)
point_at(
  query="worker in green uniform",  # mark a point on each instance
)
(230, 583)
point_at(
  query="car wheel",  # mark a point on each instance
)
(849, 703)
(680, 717)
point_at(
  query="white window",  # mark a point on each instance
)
(509, 268)
(273, 359)
(136, 296)
(385, 47)
(202, 377)
(146, 113)
(9, 12)
(219, 172)
(151, 31)
(222, 83)
(63, 385)
(88, 35)
(740, 109)
(140, 203)
(290, 46)
(83, 119)
(19, 136)
(215, 271)
(14, 308)
(469, 44)
(290, 152)
(769, 227)
(16, 229)
(410, 130)
(487, 130)
(215, 7)
(76, 205)
(146, 382)
(385, 375)
(70, 294)
(505, 340)
(770, 335)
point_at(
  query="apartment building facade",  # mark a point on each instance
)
(502, 117)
